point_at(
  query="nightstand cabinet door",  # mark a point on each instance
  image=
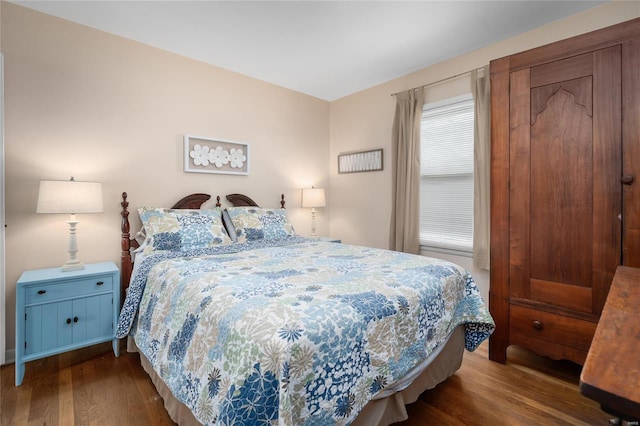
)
(45, 327)
(94, 318)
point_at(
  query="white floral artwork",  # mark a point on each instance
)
(205, 155)
(219, 157)
(200, 155)
(237, 158)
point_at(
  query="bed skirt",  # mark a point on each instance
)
(441, 364)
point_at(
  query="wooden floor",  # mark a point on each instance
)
(92, 387)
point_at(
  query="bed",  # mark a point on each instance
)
(238, 320)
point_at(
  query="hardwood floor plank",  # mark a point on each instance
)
(156, 413)
(421, 413)
(23, 405)
(487, 393)
(132, 403)
(153, 403)
(7, 399)
(44, 396)
(65, 398)
(538, 396)
(114, 399)
(92, 387)
(84, 401)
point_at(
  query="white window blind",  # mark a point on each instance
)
(446, 175)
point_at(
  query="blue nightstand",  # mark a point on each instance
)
(60, 311)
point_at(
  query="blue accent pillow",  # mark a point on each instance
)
(255, 223)
(182, 229)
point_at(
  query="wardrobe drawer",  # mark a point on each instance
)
(530, 325)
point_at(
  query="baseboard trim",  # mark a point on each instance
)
(10, 356)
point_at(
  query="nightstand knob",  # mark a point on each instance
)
(42, 291)
(100, 283)
(537, 325)
(68, 320)
(75, 319)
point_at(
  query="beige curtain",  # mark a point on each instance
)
(405, 152)
(480, 88)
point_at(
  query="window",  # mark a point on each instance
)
(446, 176)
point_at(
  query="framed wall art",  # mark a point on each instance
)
(207, 155)
(361, 161)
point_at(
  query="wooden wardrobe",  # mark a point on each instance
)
(565, 206)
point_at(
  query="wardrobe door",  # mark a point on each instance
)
(631, 156)
(565, 195)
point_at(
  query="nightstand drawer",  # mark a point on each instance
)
(64, 290)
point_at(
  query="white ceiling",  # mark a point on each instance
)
(327, 49)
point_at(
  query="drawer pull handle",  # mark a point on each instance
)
(75, 319)
(100, 283)
(537, 325)
(42, 291)
(68, 320)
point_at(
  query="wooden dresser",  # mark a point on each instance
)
(565, 207)
(611, 374)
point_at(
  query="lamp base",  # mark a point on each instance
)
(72, 266)
(313, 222)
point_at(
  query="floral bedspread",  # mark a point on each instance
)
(296, 334)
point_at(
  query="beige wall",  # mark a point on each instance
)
(360, 203)
(101, 108)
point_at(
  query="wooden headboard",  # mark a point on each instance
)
(192, 201)
(241, 200)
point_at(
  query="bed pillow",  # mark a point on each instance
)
(141, 239)
(254, 223)
(228, 225)
(182, 229)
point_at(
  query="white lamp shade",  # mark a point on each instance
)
(313, 197)
(69, 196)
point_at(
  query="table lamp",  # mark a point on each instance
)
(70, 197)
(313, 197)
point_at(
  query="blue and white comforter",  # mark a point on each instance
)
(295, 334)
